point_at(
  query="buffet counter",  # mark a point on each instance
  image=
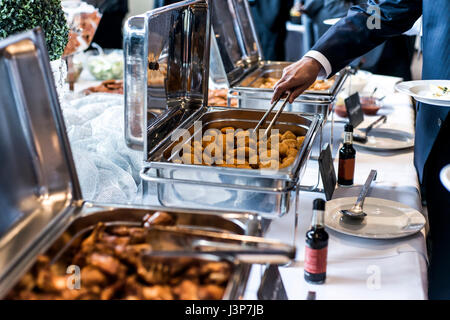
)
(357, 268)
(364, 268)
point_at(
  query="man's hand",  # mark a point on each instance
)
(296, 78)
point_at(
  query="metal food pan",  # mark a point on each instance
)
(266, 192)
(275, 70)
(62, 247)
(297, 129)
(222, 221)
(311, 101)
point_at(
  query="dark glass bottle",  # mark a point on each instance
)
(347, 155)
(316, 248)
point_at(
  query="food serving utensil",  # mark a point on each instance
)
(275, 118)
(356, 212)
(246, 249)
(373, 92)
(363, 138)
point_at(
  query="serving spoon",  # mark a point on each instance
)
(356, 212)
(363, 138)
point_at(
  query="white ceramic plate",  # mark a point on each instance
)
(445, 177)
(385, 219)
(422, 91)
(384, 139)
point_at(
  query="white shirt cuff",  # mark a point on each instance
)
(326, 66)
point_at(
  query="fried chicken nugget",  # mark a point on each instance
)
(288, 135)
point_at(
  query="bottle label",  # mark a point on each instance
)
(316, 260)
(346, 169)
(348, 137)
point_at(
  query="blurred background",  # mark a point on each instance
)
(287, 29)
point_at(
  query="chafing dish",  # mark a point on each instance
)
(62, 254)
(237, 62)
(156, 63)
(266, 192)
(40, 194)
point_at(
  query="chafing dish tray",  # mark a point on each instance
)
(267, 192)
(40, 194)
(238, 62)
(106, 250)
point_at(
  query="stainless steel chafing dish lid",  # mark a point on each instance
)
(235, 46)
(166, 67)
(38, 184)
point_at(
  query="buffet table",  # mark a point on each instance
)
(362, 268)
(357, 268)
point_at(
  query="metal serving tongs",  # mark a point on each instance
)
(246, 249)
(275, 118)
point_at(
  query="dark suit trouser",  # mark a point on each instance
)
(438, 203)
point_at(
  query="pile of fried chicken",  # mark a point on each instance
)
(219, 98)
(112, 266)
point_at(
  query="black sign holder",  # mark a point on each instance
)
(327, 171)
(354, 111)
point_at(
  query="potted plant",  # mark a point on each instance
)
(20, 15)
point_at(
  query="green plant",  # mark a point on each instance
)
(21, 15)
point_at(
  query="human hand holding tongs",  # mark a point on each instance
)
(296, 78)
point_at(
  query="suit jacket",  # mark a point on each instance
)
(270, 17)
(351, 38)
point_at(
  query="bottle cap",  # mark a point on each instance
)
(348, 128)
(319, 204)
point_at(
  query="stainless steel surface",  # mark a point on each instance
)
(309, 102)
(235, 39)
(246, 249)
(275, 70)
(38, 184)
(267, 192)
(357, 212)
(263, 119)
(166, 54)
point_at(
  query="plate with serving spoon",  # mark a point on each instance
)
(372, 218)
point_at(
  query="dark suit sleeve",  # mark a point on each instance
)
(312, 7)
(351, 37)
